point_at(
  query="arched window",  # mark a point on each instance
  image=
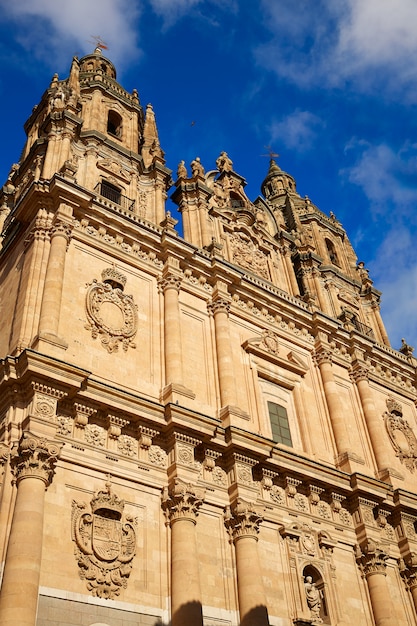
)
(114, 124)
(332, 252)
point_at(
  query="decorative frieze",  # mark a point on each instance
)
(34, 457)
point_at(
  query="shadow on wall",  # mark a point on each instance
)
(191, 614)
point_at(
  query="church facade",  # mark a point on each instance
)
(202, 429)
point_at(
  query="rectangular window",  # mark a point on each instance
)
(279, 424)
(111, 192)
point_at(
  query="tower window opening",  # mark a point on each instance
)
(332, 252)
(279, 424)
(114, 124)
(111, 192)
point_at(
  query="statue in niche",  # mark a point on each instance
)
(313, 597)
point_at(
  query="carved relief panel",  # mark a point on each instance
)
(105, 543)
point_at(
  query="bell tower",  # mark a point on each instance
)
(92, 156)
(330, 279)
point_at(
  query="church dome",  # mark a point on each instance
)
(97, 62)
(277, 182)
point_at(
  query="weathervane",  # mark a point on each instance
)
(99, 43)
(271, 154)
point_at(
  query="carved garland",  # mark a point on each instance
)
(401, 435)
(111, 313)
(105, 543)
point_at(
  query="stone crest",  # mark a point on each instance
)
(401, 435)
(111, 313)
(105, 543)
(247, 254)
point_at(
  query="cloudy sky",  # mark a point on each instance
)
(330, 85)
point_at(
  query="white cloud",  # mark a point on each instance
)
(298, 130)
(367, 43)
(51, 29)
(387, 178)
(173, 10)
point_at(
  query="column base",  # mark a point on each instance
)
(232, 415)
(46, 340)
(388, 473)
(173, 393)
(346, 461)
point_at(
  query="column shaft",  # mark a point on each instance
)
(374, 424)
(52, 293)
(380, 599)
(334, 405)
(185, 586)
(173, 362)
(252, 602)
(224, 357)
(19, 591)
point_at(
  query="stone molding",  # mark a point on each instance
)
(182, 500)
(243, 520)
(34, 457)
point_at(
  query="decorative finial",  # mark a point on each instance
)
(99, 44)
(271, 153)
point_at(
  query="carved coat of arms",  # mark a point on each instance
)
(111, 313)
(105, 543)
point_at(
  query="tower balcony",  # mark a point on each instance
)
(114, 194)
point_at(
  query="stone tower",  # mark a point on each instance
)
(200, 429)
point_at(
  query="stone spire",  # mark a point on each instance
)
(277, 182)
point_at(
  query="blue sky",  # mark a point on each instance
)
(330, 85)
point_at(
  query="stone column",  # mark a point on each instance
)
(374, 421)
(380, 324)
(54, 279)
(372, 561)
(242, 522)
(181, 502)
(286, 253)
(334, 405)
(408, 571)
(220, 308)
(33, 464)
(170, 286)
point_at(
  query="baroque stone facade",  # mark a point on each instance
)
(201, 423)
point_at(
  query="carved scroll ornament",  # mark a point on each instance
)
(104, 543)
(111, 313)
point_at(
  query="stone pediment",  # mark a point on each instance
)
(113, 168)
(268, 348)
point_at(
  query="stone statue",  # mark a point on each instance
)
(182, 170)
(224, 163)
(313, 596)
(196, 168)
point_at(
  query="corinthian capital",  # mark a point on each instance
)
(35, 457)
(371, 558)
(182, 500)
(242, 520)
